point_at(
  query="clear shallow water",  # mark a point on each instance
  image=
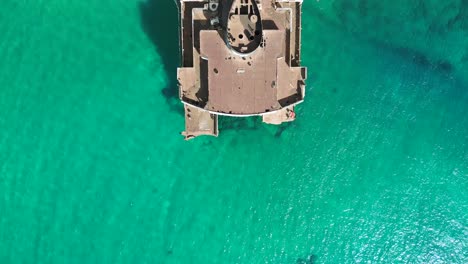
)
(93, 170)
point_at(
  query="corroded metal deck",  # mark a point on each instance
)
(239, 58)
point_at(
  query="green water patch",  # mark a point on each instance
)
(431, 32)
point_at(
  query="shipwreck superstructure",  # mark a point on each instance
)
(239, 58)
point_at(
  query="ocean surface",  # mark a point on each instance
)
(93, 168)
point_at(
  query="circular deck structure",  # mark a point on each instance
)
(244, 27)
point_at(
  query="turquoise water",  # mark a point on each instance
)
(93, 169)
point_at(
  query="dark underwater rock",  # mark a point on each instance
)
(430, 32)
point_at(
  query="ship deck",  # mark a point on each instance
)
(215, 81)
